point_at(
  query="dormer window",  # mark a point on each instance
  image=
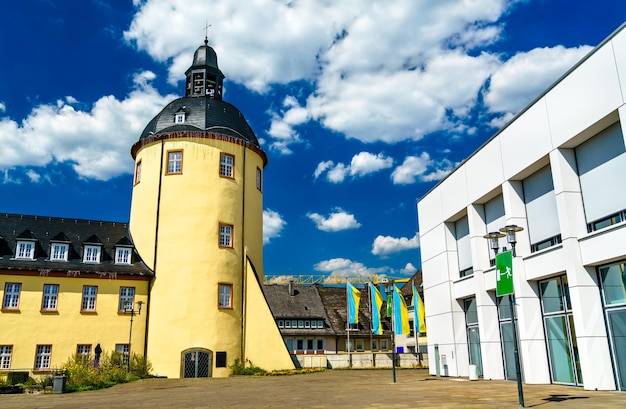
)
(58, 251)
(179, 118)
(91, 254)
(123, 255)
(25, 249)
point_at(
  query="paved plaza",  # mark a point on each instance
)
(331, 389)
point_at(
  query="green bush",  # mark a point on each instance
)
(239, 368)
(13, 378)
(82, 375)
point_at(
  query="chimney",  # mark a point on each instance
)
(292, 290)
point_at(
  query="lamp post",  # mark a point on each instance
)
(509, 231)
(128, 307)
(389, 292)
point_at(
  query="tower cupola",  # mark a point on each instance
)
(204, 77)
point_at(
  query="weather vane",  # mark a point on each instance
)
(206, 33)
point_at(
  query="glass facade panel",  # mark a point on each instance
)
(508, 346)
(559, 350)
(475, 358)
(471, 314)
(617, 327)
(551, 296)
(614, 284)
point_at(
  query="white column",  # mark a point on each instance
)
(593, 348)
(532, 349)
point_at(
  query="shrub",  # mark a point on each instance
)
(239, 368)
(13, 378)
(82, 375)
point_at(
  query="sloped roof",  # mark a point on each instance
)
(305, 303)
(44, 230)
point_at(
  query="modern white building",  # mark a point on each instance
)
(558, 171)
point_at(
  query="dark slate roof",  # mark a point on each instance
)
(203, 114)
(305, 303)
(335, 302)
(407, 288)
(44, 230)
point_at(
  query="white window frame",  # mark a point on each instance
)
(42, 357)
(91, 253)
(225, 296)
(59, 251)
(226, 235)
(83, 351)
(138, 172)
(307, 324)
(50, 297)
(174, 162)
(287, 323)
(384, 344)
(123, 255)
(124, 350)
(90, 294)
(25, 250)
(127, 297)
(6, 352)
(259, 179)
(227, 165)
(179, 118)
(11, 299)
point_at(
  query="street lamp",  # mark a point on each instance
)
(494, 238)
(389, 292)
(128, 307)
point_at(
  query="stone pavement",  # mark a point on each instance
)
(414, 388)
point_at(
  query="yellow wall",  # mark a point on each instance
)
(190, 264)
(265, 347)
(67, 327)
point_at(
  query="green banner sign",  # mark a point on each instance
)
(504, 273)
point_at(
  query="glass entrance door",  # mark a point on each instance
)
(560, 332)
(613, 280)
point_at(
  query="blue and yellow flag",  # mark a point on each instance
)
(400, 313)
(377, 303)
(354, 297)
(418, 312)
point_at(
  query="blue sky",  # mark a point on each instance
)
(362, 106)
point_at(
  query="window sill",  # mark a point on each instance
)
(16, 310)
(88, 312)
(49, 312)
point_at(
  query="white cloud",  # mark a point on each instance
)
(33, 176)
(408, 270)
(421, 168)
(338, 269)
(386, 245)
(338, 220)
(273, 225)
(362, 164)
(283, 124)
(62, 133)
(3, 107)
(377, 72)
(526, 75)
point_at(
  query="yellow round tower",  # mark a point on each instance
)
(197, 221)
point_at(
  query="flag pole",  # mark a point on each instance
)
(369, 295)
(415, 322)
(348, 324)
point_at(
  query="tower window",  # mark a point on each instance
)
(226, 235)
(225, 296)
(179, 118)
(227, 163)
(174, 162)
(138, 172)
(259, 179)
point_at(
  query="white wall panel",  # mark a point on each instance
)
(429, 212)
(465, 287)
(544, 263)
(433, 242)
(455, 192)
(587, 94)
(619, 49)
(526, 140)
(603, 246)
(484, 170)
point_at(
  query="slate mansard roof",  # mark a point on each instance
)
(75, 232)
(202, 114)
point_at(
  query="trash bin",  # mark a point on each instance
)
(58, 384)
(473, 373)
